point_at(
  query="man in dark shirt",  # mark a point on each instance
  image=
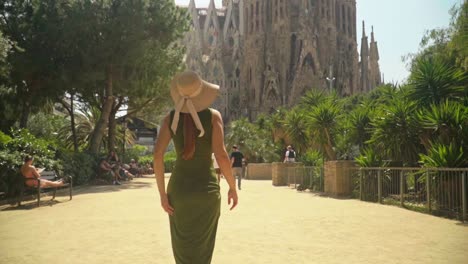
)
(236, 162)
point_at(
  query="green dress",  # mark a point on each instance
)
(193, 191)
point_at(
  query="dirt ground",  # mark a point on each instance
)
(125, 224)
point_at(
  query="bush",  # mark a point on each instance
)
(145, 160)
(312, 158)
(169, 161)
(135, 153)
(12, 152)
(81, 166)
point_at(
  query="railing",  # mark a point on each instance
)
(438, 191)
(304, 177)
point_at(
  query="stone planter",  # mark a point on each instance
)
(280, 170)
(259, 171)
(338, 180)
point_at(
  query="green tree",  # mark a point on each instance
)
(127, 50)
(323, 123)
(433, 80)
(395, 131)
(36, 29)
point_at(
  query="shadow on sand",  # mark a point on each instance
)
(32, 204)
(62, 194)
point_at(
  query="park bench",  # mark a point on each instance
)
(46, 175)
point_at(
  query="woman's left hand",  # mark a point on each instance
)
(232, 197)
(166, 205)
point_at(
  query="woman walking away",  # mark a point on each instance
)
(193, 199)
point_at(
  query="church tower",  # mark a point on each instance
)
(364, 64)
(374, 69)
(265, 54)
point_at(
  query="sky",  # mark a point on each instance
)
(399, 26)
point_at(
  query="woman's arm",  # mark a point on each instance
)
(222, 157)
(159, 149)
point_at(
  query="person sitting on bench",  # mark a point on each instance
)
(30, 173)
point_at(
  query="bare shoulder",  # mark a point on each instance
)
(216, 115)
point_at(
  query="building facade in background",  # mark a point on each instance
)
(268, 53)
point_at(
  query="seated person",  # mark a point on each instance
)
(134, 168)
(149, 168)
(106, 171)
(30, 173)
(124, 173)
(114, 162)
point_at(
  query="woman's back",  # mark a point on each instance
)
(196, 174)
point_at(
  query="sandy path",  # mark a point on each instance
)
(124, 224)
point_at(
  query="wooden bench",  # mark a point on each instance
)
(45, 175)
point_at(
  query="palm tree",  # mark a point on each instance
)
(359, 125)
(86, 119)
(444, 123)
(395, 131)
(433, 81)
(323, 121)
(296, 129)
(313, 98)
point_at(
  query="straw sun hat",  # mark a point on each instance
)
(191, 94)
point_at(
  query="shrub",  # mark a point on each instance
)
(135, 153)
(312, 158)
(169, 161)
(81, 166)
(145, 160)
(12, 152)
(449, 156)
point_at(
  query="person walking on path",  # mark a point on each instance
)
(216, 167)
(290, 155)
(237, 158)
(192, 199)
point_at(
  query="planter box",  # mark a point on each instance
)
(259, 171)
(280, 170)
(338, 180)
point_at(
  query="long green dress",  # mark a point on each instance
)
(193, 191)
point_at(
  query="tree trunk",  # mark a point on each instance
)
(329, 146)
(112, 127)
(72, 124)
(102, 124)
(25, 114)
(113, 124)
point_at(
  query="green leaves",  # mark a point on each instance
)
(448, 156)
(256, 144)
(432, 81)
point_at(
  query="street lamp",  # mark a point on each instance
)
(330, 78)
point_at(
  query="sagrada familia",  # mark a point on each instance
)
(267, 53)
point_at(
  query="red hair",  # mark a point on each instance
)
(189, 137)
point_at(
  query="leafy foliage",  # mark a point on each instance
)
(135, 152)
(254, 143)
(369, 158)
(448, 156)
(14, 149)
(80, 165)
(434, 81)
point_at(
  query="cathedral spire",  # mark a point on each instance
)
(365, 87)
(375, 77)
(192, 4)
(363, 29)
(212, 4)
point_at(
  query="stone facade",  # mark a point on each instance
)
(267, 53)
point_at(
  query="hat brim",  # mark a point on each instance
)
(202, 101)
